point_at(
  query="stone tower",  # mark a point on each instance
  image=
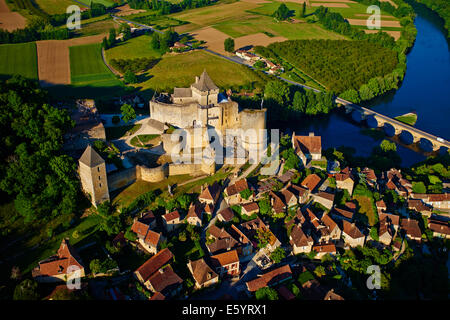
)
(92, 171)
(205, 90)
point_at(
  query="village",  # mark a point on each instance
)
(274, 233)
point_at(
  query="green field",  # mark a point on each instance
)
(86, 64)
(56, 6)
(180, 71)
(106, 3)
(19, 59)
(409, 118)
(138, 47)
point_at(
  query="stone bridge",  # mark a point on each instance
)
(394, 127)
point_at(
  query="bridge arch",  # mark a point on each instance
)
(357, 116)
(406, 137)
(373, 122)
(389, 129)
(426, 145)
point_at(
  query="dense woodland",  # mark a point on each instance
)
(35, 172)
(338, 65)
(442, 7)
(166, 7)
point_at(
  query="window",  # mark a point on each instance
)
(98, 169)
(99, 178)
(100, 184)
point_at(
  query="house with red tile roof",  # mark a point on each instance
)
(270, 279)
(171, 220)
(438, 201)
(147, 238)
(222, 242)
(323, 249)
(307, 147)
(344, 180)
(352, 235)
(326, 199)
(311, 182)
(225, 215)
(391, 219)
(278, 205)
(381, 206)
(301, 193)
(152, 265)
(289, 198)
(64, 265)
(439, 228)
(411, 229)
(195, 214)
(245, 247)
(342, 214)
(165, 281)
(419, 206)
(210, 194)
(250, 229)
(385, 232)
(250, 208)
(233, 192)
(300, 242)
(335, 231)
(202, 273)
(226, 263)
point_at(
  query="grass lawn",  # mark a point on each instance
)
(305, 276)
(366, 207)
(56, 6)
(19, 59)
(106, 3)
(97, 25)
(409, 118)
(113, 133)
(138, 47)
(180, 71)
(145, 139)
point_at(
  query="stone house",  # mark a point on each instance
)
(311, 182)
(391, 219)
(165, 281)
(344, 180)
(270, 279)
(278, 205)
(251, 228)
(300, 242)
(210, 194)
(385, 232)
(301, 193)
(342, 214)
(245, 247)
(307, 147)
(250, 208)
(64, 265)
(223, 241)
(147, 238)
(352, 235)
(411, 229)
(381, 206)
(419, 206)
(226, 263)
(195, 214)
(232, 192)
(225, 215)
(439, 228)
(324, 198)
(152, 265)
(289, 198)
(202, 273)
(171, 220)
(335, 231)
(324, 249)
(438, 201)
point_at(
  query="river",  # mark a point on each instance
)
(424, 90)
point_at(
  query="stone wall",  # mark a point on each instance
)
(152, 174)
(121, 179)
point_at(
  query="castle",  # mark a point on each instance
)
(198, 108)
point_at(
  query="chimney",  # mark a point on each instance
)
(311, 134)
(196, 79)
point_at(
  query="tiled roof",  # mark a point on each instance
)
(370, 174)
(328, 248)
(344, 213)
(226, 258)
(411, 228)
(391, 218)
(439, 227)
(59, 263)
(351, 230)
(270, 278)
(227, 214)
(299, 238)
(308, 144)
(205, 83)
(237, 187)
(152, 238)
(439, 197)
(171, 215)
(330, 223)
(158, 296)
(201, 271)
(154, 263)
(251, 206)
(164, 278)
(311, 181)
(91, 158)
(381, 204)
(195, 210)
(325, 195)
(238, 235)
(297, 190)
(211, 192)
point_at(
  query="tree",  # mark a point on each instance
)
(320, 271)
(95, 266)
(26, 290)
(109, 222)
(387, 145)
(299, 101)
(263, 237)
(277, 91)
(351, 95)
(130, 235)
(277, 255)
(419, 187)
(264, 206)
(128, 113)
(303, 10)
(111, 37)
(155, 41)
(282, 13)
(229, 44)
(126, 30)
(130, 77)
(266, 293)
(374, 233)
(245, 194)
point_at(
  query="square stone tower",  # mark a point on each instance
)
(204, 90)
(92, 171)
